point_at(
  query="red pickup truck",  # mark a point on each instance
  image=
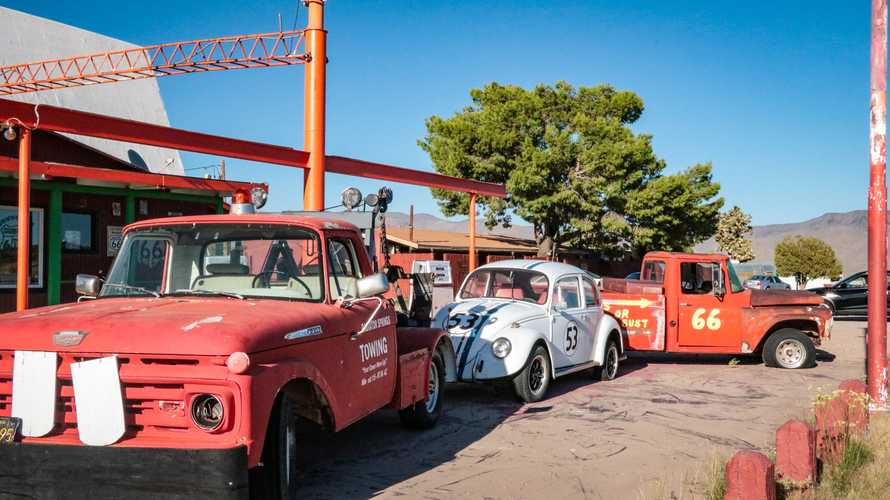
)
(695, 303)
(184, 374)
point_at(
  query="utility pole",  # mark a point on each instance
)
(876, 338)
(314, 107)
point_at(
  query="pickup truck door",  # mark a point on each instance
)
(707, 320)
(371, 358)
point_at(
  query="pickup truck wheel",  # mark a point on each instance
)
(276, 478)
(533, 381)
(789, 348)
(609, 369)
(425, 414)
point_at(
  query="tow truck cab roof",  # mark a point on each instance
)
(683, 255)
(291, 220)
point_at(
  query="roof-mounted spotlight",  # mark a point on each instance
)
(258, 197)
(385, 198)
(351, 198)
(372, 200)
(9, 132)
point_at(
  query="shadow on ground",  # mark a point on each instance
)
(377, 452)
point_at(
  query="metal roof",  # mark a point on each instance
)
(28, 38)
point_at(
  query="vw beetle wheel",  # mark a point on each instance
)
(532, 382)
(609, 369)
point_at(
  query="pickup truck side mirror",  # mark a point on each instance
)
(372, 285)
(87, 284)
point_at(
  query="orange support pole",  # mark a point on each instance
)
(472, 222)
(876, 338)
(23, 270)
(314, 131)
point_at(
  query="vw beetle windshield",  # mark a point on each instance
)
(239, 260)
(516, 284)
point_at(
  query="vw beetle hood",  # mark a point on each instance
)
(169, 325)
(474, 324)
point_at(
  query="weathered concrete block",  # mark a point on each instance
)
(750, 476)
(796, 454)
(854, 395)
(831, 429)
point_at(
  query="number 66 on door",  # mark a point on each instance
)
(699, 322)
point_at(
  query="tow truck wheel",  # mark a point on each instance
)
(789, 348)
(533, 381)
(609, 369)
(426, 413)
(276, 478)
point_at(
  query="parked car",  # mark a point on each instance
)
(848, 297)
(529, 322)
(695, 303)
(764, 282)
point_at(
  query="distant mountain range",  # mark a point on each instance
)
(845, 232)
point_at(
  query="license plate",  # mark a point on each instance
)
(9, 428)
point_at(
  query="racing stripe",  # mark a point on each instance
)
(471, 337)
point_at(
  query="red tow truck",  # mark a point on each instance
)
(695, 303)
(184, 373)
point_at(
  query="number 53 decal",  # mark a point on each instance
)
(699, 322)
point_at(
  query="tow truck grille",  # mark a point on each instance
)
(150, 408)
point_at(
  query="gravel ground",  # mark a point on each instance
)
(648, 434)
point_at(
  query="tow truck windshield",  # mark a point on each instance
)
(231, 260)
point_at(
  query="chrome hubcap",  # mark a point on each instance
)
(790, 353)
(432, 391)
(536, 374)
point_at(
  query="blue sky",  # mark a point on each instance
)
(775, 94)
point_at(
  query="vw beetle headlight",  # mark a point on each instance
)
(501, 348)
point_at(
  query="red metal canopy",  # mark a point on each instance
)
(70, 121)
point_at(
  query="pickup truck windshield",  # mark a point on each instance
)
(235, 260)
(517, 284)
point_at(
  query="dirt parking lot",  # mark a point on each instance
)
(646, 434)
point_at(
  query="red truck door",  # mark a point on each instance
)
(371, 358)
(707, 321)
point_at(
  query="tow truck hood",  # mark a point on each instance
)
(211, 326)
(764, 298)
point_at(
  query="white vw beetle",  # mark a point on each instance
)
(530, 321)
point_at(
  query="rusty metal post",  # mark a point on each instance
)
(314, 131)
(877, 212)
(472, 223)
(23, 270)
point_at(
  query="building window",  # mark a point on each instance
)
(9, 247)
(77, 232)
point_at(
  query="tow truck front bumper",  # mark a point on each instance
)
(61, 472)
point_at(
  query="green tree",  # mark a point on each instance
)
(732, 227)
(573, 168)
(805, 258)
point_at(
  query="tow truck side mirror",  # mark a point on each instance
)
(372, 285)
(87, 284)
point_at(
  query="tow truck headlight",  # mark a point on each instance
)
(207, 412)
(501, 348)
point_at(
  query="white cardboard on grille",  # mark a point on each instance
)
(98, 400)
(34, 391)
